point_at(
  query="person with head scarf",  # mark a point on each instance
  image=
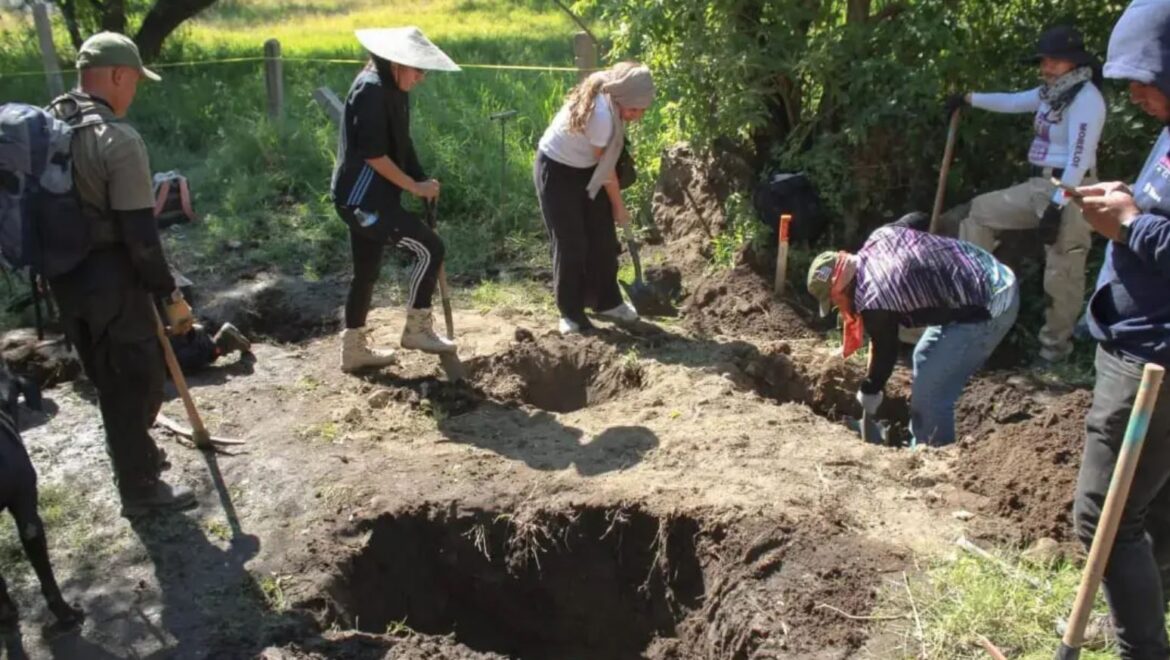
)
(1129, 317)
(580, 196)
(376, 163)
(1069, 115)
(965, 298)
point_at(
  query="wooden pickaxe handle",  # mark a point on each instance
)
(199, 434)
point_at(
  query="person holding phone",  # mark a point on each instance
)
(1129, 317)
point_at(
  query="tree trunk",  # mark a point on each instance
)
(164, 17)
(857, 11)
(69, 12)
(114, 16)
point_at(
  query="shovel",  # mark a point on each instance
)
(948, 155)
(1127, 460)
(645, 299)
(449, 361)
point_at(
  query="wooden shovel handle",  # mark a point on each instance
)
(948, 154)
(1127, 461)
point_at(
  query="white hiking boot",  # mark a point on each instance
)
(419, 333)
(623, 313)
(356, 355)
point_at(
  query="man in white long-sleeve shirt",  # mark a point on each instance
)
(1069, 115)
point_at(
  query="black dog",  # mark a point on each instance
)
(18, 494)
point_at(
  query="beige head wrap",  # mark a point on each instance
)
(634, 88)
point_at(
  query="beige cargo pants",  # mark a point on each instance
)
(1020, 207)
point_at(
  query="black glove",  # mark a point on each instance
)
(954, 102)
(1050, 223)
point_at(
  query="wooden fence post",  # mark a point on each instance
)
(274, 78)
(584, 55)
(48, 51)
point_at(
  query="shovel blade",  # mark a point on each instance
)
(647, 300)
(453, 367)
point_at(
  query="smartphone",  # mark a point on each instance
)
(1068, 190)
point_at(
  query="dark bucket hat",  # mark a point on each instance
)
(1063, 42)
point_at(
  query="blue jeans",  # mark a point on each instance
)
(944, 359)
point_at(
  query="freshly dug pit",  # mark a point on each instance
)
(586, 583)
(606, 582)
(555, 373)
(824, 383)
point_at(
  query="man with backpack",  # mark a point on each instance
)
(106, 301)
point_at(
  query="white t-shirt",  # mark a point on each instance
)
(1070, 143)
(577, 149)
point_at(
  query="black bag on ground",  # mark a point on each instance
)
(791, 194)
(627, 172)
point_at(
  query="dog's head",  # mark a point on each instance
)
(11, 387)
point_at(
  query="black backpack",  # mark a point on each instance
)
(43, 226)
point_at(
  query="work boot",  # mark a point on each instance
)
(623, 313)
(160, 497)
(229, 339)
(356, 355)
(419, 333)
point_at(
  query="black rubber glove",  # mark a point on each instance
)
(954, 102)
(1050, 223)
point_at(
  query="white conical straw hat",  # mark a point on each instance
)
(406, 45)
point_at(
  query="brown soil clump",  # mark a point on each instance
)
(739, 302)
(46, 362)
(1023, 454)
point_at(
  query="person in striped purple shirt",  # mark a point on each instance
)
(965, 298)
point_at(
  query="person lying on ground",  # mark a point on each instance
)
(199, 349)
(578, 187)
(376, 162)
(965, 298)
(1129, 317)
(1069, 117)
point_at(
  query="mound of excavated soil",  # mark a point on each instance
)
(46, 362)
(281, 307)
(739, 302)
(1023, 453)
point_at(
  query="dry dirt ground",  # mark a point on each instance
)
(678, 490)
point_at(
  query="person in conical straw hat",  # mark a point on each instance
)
(376, 163)
(579, 187)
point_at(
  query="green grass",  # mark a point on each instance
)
(266, 184)
(523, 296)
(961, 598)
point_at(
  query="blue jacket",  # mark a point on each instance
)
(1130, 310)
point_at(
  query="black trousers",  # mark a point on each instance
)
(1135, 579)
(395, 226)
(584, 240)
(113, 330)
